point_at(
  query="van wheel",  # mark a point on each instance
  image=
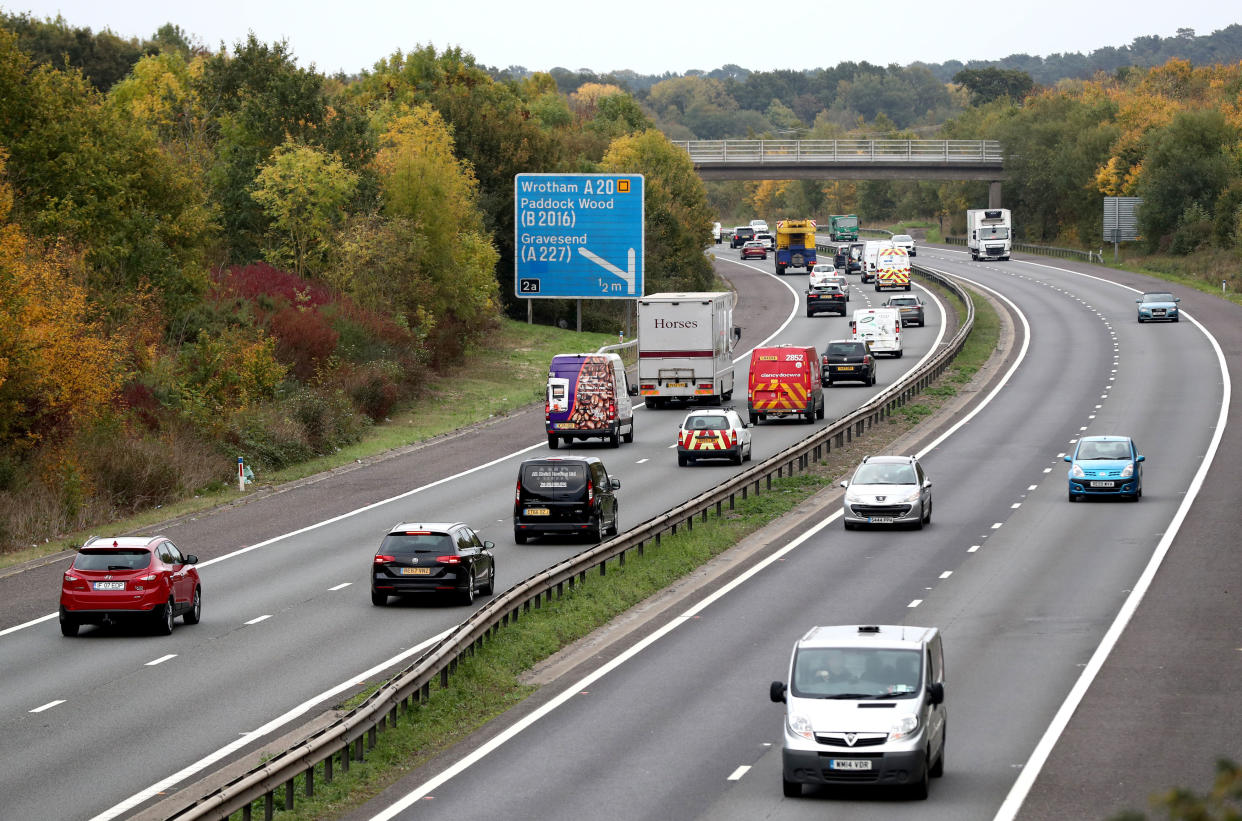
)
(791, 789)
(682, 460)
(553, 441)
(819, 413)
(899, 354)
(937, 770)
(519, 537)
(628, 437)
(614, 441)
(810, 414)
(754, 419)
(596, 531)
(907, 287)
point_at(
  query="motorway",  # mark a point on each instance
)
(108, 720)
(1025, 586)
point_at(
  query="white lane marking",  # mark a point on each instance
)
(946, 574)
(998, 525)
(974, 548)
(48, 706)
(1031, 769)
(1047, 470)
(670, 447)
(640, 461)
(1015, 506)
(246, 738)
(1032, 487)
(259, 619)
(160, 660)
(737, 774)
(915, 603)
(343, 585)
(26, 624)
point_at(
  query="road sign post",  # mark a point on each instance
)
(578, 236)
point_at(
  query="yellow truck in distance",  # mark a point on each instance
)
(795, 245)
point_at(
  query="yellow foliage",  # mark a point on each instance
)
(765, 193)
(588, 95)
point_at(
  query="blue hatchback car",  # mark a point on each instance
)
(1105, 466)
(1158, 305)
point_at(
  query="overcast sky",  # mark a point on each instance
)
(651, 36)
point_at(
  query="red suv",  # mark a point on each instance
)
(131, 577)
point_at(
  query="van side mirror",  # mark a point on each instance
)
(737, 333)
(935, 692)
(776, 691)
(614, 483)
(632, 390)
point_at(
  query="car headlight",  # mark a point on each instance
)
(914, 496)
(904, 728)
(1076, 472)
(801, 726)
(1128, 471)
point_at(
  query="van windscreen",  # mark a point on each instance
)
(857, 672)
(551, 480)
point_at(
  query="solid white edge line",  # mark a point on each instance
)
(1039, 756)
(246, 738)
(47, 706)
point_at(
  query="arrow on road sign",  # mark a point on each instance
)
(610, 268)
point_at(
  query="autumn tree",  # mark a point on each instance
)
(303, 191)
(678, 219)
(991, 83)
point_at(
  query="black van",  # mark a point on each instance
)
(565, 494)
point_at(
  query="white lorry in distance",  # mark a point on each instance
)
(880, 327)
(989, 233)
(685, 347)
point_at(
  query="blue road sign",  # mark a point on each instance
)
(578, 236)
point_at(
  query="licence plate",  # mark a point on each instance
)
(675, 385)
(849, 764)
(109, 585)
(416, 571)
(1101, 484)
(846, 368)
(880, 520)
(538, 511)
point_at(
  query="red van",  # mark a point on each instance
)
(785, 380)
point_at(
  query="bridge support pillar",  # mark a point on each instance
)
(994, 194)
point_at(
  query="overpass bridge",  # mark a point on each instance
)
(850, 160)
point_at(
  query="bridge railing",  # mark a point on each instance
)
(798, 151)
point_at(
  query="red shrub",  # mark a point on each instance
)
(261, 279)
(304, 339)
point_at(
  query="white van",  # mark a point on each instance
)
(871, 255)
(879, 326)
(588, 397)
(864, 705)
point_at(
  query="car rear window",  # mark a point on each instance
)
(413, 542)
(553, 480)
(846, 349)
(112, 559)
(707, 423)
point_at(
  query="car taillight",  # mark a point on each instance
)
(74, 583)
(448, 559)
(380, 558)
(612, 410)
(517, 493)
(681, 436)
(590, 492)
(732, 438)
(547, 411)
(148, 578)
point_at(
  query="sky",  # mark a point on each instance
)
(650, 36)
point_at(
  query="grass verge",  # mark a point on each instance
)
(507, 375)
(488, 683)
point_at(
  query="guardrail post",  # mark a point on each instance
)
(371, 736)
(327, 769)
(269, 806)
(621, 558)
(769, 477)
(603, 567)
(289, 795)
(444, 674)
(345, 758)
(358, 751)
(560, 589)
(690, 522)
(310, 781)
(731, 498)
(247, 813)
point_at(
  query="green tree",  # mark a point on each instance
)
(1186, 164)
(991, 83)
(303, 191)
(678, 219)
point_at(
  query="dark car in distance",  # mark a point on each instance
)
(848, 360)
(741, 235)
(565, 495)
(910, 307)
(825, 298)
(130, 578)
(432, 558)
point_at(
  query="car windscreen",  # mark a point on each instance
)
(846, 349)
(553, 481)
(903, 238)
(416, 542)
(112, 559)
(1157, 297)
(866, 672)
(880, 474)
(1103, 450)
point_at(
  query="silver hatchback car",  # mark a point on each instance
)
(888, 490)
